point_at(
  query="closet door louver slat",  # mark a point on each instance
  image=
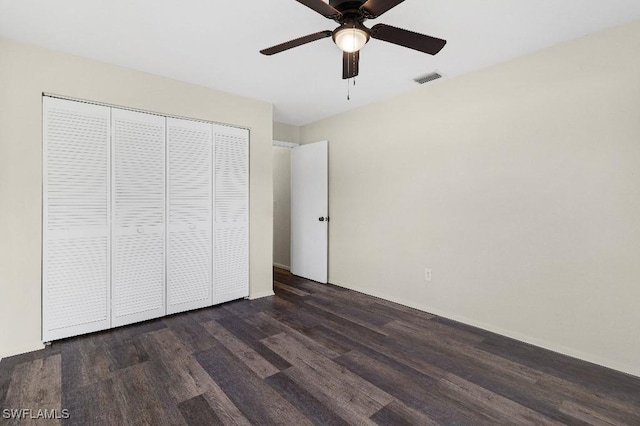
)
(231, 228)
(75, 252)
(138, 223)
(189, 245)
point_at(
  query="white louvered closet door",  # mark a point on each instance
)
(75, 268)
(189, 240)
(138, 221)
(231, 205)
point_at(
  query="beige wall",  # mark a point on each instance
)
(282, 207)
(519, 186)
(26, 72)
(286, 133)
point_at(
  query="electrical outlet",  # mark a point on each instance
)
(427, 275)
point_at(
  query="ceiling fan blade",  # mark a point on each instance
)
(350, 64)
(322, 8)
(375, 8)
(295, 43)
(406, 38)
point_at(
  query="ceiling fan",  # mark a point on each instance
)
(352, 35)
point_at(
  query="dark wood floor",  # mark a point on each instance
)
(313, 354)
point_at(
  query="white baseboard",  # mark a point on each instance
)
(281, 266)
(261, 295)
(37, 347)
(633, 370)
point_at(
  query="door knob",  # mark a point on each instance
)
(322, 219)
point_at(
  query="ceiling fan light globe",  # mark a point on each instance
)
(351, 39)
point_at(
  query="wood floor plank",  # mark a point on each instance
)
(393, 310)
(174, 366)
(346, 403)
(398, 414)
(251, 358)
(225, 409)
(269, 327)
(207, 314)
(352, 314)
(304, 339)
(312, 354)
(290, 289)
(404, 354)
(323, 316)
(430, 361)
(363, 307)
(614, 384)
(84, 361)
(258, 402)
(435, 331)
(197, 412)
(500, 381)
(377, 352)
(452, 342)
(188, 332)
(569, 393)
(310, 406)
(402, 308)
(293, 316)
(131, 388)
(588, 415)
(300, 283)
(126, 354)
(484, 400)
(303, 356)
(267, 322)
(419, 394)
(464, 327)
(353, 398)
(93, 404)
(164, 344)
(251, 336)
(8, 364)
(332, 292)
(243, 308)
(36, 385)
(185, 378)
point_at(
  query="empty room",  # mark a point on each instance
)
(319, 212)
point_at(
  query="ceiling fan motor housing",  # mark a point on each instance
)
(343, 5)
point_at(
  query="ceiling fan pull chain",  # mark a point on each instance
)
(348, 88)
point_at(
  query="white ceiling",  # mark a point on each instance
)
(215, 43)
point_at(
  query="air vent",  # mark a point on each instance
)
(427, 78)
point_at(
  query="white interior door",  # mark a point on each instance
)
(189, 176)
(138, 222)
(310, 210)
